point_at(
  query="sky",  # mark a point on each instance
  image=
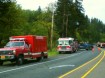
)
(93, 8)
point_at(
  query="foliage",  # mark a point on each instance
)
(69, 21)
(9, 18)
(53, 52)
(69, 16)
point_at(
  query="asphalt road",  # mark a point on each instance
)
(53, 67)
(91, 69)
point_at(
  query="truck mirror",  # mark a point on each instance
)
(29, 45)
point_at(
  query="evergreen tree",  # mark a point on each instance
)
(68, 15)
(9, 18)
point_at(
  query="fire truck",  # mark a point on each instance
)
(69, 45)
(20, 48)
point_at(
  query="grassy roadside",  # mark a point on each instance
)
(52, 52)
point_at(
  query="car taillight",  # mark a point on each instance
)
(68, 47)
(59, 47)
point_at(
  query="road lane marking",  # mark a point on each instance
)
(62, 76)
(61, 66)
(94, 66)
(37, 64)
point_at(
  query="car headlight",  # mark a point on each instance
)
(14, 51)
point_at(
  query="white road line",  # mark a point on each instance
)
(37, 64)
(61, 66)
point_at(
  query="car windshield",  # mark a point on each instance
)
(64, 42)
(13, 44)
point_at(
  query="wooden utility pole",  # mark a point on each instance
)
(52, 28)
(66, 24)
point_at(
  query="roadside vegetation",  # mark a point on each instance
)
(69, 21)
(53, 52)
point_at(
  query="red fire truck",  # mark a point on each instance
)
(20, 48)
(67, 45)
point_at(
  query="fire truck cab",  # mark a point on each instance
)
(20, 48)
(67, 45)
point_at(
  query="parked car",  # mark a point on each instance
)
(86, 46)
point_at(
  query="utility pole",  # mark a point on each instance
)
(67, 19)
(52, 27)
(66, 25)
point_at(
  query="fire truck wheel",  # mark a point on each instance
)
(38, 58)
(60, 52)
(42, 55)
(70, 52)
(19, 60)
(45, 57)
(1, 62)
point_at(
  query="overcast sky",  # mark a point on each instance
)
(93, 8)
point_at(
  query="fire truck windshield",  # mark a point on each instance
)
(13, 44)
(64, 42)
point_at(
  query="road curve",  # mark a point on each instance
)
(89, 69)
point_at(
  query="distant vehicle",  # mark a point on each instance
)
(101, 44)
(67, 45)
(86, 46)
(20, 48)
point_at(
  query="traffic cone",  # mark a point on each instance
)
(99, 49)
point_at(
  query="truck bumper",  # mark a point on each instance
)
(7, 57)
(68, 50)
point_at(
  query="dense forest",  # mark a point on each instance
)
(67, 18)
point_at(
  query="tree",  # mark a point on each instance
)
(98, 27)
(10, 18)
(68, 13)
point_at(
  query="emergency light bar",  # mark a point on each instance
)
(66, 39)
(16, 39)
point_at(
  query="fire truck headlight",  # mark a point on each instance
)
(14, 51)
